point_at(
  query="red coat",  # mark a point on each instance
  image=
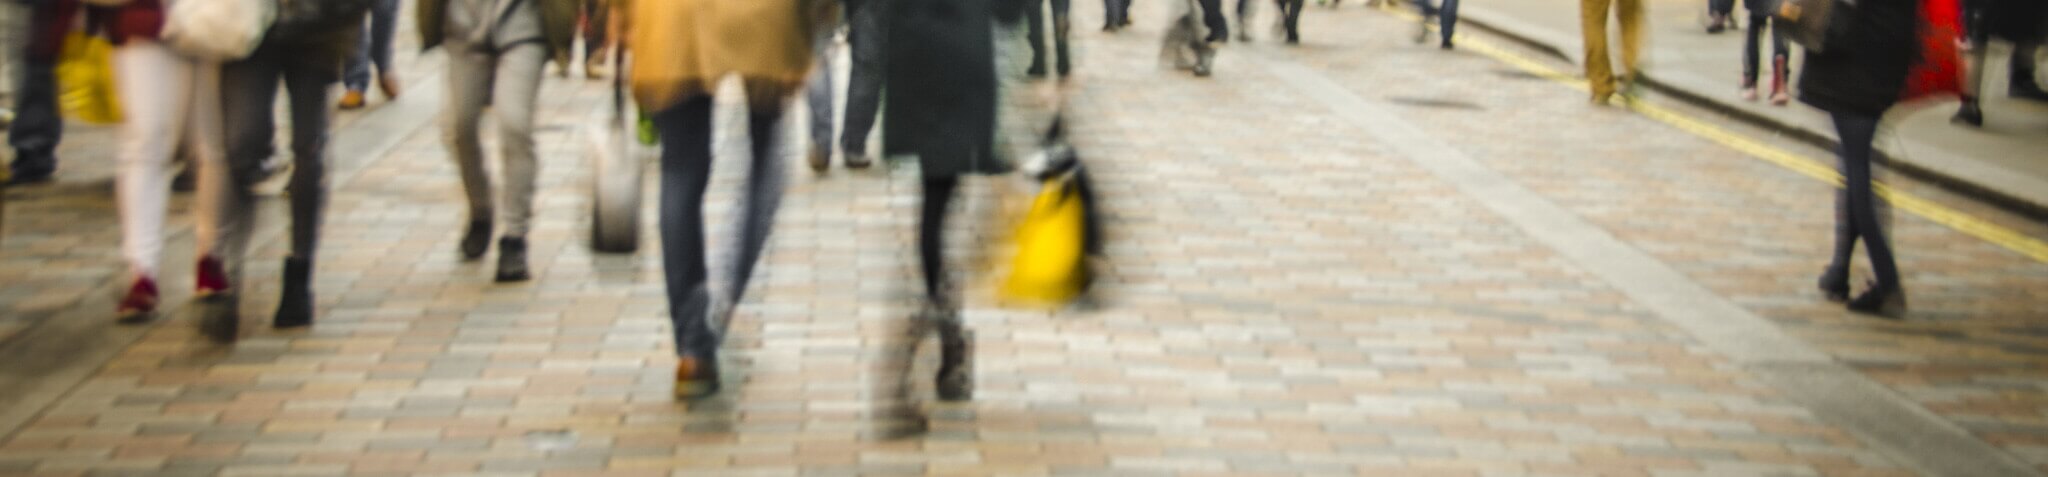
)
(54, 18)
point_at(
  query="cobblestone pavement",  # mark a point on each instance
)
(1288, 296)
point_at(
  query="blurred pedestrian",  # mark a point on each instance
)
(496, 52)
(1600, 76)
(167, 99)
(1857, 79)
(949, 124)
(867, 38)
(1289, 22)
(306, 51)
(1117, 14)
(682, 48)
(37, 126)
(1720, 15)
(1446, 15)
(1760, 19)
(597, 41)
(1034, 14)
(819, 94)
(2025, 24)
(373, 49)
(1193, 33)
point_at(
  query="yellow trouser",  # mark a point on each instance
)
(1593, 19)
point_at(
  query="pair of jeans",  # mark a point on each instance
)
(37, 127)
(249, 89)
(1857, 206)
(1752, 49)
(1035, 20)
(1446, 15)
(867, 35)
(509, 82)
(1593, 24)
(686, 135)
(168, 100)
(375, 46)
(818, 94)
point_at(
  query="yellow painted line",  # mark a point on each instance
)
(1803, 165)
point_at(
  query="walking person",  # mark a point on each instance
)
(1600, 76)
(597, 42)
(37, 126)
(1193, 34)
(305, 51)
(1446, 15)
(1034, 15)
(1116, 15)
(372, 50)
(167, 99)
(496, 52)
(1856, 82)
(1290, 19)
(682, 48)
(1781, 54)
(1721, 15)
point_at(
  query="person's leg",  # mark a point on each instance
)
(818, 98)
(1857, 134)
(1629, 13)
(308, 90)
(469, 81)
(1034, 20)
(1293, 9)
(516, 89)
(383, 26)
(155, 87)
(355, 76)
(1752, 48)
(2021, 79)
(1212, 16)
(763, 197)
(1448, 15)
(1061, 25)
(867, 38)
(931, 227)
(1593, 24)
(38, 127)
(227, 208)
(685, 131)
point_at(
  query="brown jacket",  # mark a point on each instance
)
(557, 19)
(681, 48)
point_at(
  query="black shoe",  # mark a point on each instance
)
(19, 178)
(1447, 45)
(512, 260)
(1037, 70)
(1293, 38)
(2024, 88)
(1063, 68)
(1217, 37)
(218, 319)
(1887, 301)
(955, 379)
(696, 377)
(477, 240)
(295, 306)
(1834, 284)
(1969, 114)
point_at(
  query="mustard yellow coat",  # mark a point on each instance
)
(681, 48)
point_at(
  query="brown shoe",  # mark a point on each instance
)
(696, 377)
(351, 100)
(820, 159)
(389, 84)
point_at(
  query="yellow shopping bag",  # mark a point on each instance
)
(1049, 269)
(85, 76)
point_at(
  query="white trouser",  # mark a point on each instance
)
(509, 82)
(166, 100)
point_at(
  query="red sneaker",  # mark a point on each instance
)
(140, 304)
(213, 278)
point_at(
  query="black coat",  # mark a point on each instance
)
(941, 77)
(1866, 72)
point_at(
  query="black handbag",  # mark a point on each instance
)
(1817, 25)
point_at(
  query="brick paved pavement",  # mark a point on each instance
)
(1288, 298)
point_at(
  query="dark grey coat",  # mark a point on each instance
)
(941, 77)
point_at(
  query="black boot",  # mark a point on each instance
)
(295, 306)
(1970, 113)
(1834, 283)
(512, 260)
(955, 380)
(1059, 44)
(477, 239)
(1883, 300)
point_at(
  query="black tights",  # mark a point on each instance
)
(931, 225)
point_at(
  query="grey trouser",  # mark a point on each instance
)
(248, 93)
(509, 82)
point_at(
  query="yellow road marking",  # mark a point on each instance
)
(1803, 165)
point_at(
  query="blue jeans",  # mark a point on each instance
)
(37, 126)
(375, 47)
(867, 35)
(1446, 15)
(686, 131)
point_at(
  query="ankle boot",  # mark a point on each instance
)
(295, 306)
(955, 380)
(1780, 93)
(512, 260)
(1885, 300)
(1969, 113)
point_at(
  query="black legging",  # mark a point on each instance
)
(1857, 215)
(1212, 15)
(931, 226)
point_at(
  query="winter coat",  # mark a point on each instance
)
(557, 18)
(1866, 72)
(941, 76)
(681, 48)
